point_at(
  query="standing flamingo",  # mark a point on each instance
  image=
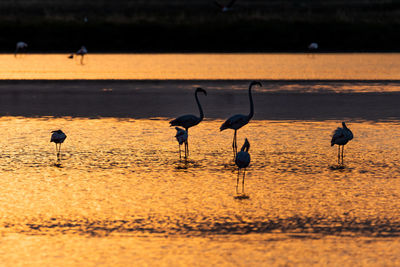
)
(242, 161)
(81, 52)
(58, 138)
(20, 47)
(181, 137)
(239, 120)
(187, 121)
(340, 137)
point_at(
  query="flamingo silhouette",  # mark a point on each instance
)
(313, 46)
(242, 161)
(187, 121)
(239, 120)
(58, 138)
(20, 47)
(81, 52)
(340, 137)
(181, 137)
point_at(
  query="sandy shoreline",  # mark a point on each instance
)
(277, 100)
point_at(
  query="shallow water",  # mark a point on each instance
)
(122, 193)
(357, 66)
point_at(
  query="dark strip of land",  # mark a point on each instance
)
(148, 99)
(199, 25)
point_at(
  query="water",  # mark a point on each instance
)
(368, 66)
(121, 196)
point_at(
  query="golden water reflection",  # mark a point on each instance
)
(361, 66)
(122, 177)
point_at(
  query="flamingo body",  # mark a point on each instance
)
(313, 46)
(181, 135)
(341, 136)
(58, 137)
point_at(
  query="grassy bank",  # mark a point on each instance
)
(199, 26)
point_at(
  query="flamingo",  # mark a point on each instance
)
(340, 137)
(58, 138)
(181, 137)
(239, 120)
(313, 46)
(226, 8)
(20, 47)
(187, 121)
(242, 161)
(81, 52)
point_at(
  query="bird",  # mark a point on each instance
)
(20, 47)
(226, 8)
(81, 52)
(181, 136)
(239, 120)
(58, 137)
(242, 161)
(187, 121)
(340, 137)
(313, 46)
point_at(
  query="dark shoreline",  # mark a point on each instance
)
(150, 99)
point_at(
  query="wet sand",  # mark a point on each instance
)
(276, 100)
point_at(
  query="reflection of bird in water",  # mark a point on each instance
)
(81, 52)
(20, 47)
(187, 121)
(242, 161)
(226, 8)
(340, 137)
(181, 137)
(238, 121)
(58, 138)
(313, 47)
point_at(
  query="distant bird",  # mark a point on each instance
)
(187, 121)
(81, 52)
(313, 47)
(181, 137)
(340, 137)
(58, 138)
(238, 121)
(20, 47)
(226, 8)
(242, 161)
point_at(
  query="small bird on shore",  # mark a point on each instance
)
(187, 121)
(242, 161)
(239, 120)
(58, 137)
(81, 52)
(181, 136)
(340, 137)
(226, 8)
(20, 47)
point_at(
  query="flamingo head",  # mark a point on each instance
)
(246, 145)
(255, 83)
(201, 90)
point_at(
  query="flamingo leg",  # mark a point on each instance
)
(244, 175)
(82, 60)
(237, 181)
(187, 145)
(59, 150)
(234, 149)
(342, 154)
(180, 156)
(338, 155)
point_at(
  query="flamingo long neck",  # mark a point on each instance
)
(251, 104)
(200, 109)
